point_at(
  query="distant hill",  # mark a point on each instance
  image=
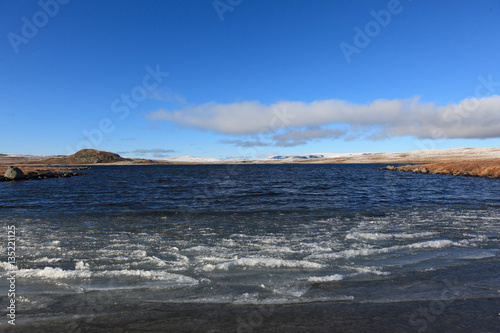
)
(88, 156)
(92, 156)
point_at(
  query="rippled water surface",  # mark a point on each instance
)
(254, 233)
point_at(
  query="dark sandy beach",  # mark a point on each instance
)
(476, 315)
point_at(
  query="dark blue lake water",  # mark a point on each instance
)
(253, 234)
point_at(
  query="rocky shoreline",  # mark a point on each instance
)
(13, 173)
(487, 169)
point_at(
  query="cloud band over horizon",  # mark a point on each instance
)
(292, 123)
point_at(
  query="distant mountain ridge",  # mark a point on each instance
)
(95, 156)
(295, 157)
(189, 159)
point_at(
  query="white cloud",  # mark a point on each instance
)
(471, 118)
(301, 137)
(246, 143)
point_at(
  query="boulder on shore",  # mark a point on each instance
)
(14, 173)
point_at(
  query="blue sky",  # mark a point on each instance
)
(241, 78)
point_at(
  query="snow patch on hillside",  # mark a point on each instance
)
(295, 157)
(339, 155)
(190, 159)
(319, 155)
(26, 156)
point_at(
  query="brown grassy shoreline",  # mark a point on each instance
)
(487, 168)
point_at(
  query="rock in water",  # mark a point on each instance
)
(14, 173)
